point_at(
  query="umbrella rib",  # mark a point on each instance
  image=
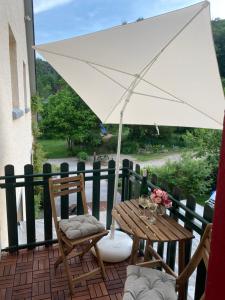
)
(149, 65)
(106, 75)
(144, 70)
(84, 61)
(182, 101)
(202, 112)
(162, 90)
(157, 97)
(118, 102)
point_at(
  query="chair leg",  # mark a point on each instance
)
(60, 259)
(68, 273)
(100, 262)
(89, 246)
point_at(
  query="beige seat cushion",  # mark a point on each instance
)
(149, 284)
(80, 226)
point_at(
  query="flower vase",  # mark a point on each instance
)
(161, 210)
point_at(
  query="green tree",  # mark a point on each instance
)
(65, 115)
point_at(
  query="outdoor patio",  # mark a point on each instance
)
(30, 275)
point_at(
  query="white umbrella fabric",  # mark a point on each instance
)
(161, 71)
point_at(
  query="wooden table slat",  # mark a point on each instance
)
(121, 222)
(171, 224)
(135, 220)
(186, 233)
(153, 233)
(172, 231)
(129, 221)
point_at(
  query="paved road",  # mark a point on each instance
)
(72, 161)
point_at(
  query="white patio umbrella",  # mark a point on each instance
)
(161, 71)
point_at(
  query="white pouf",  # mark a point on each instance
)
(117, 249)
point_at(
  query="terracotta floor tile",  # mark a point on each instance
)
(31, 275)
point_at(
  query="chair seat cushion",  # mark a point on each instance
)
(149, 284)
(80, 226)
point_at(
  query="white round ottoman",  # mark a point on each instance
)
(117, 249)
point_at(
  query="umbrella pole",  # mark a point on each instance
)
(130, 91)
(117, 170)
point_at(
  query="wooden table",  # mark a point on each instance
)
(128, 216)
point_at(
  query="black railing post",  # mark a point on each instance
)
(30, 205)
(191, 203)
(164, 186)
(125, 180)
(64, 201)
(80, 209)
(11, 207)
(171, 248)
(96, 190)
(154, 179)
(137, 185)
(47, 168)
(130, 181)
(110, 192)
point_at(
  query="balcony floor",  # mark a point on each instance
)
(30, 275)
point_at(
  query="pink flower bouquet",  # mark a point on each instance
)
(161, 198)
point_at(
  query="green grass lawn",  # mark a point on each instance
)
(54, 148)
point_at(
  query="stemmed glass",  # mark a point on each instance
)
(152, 207)
(144, 202)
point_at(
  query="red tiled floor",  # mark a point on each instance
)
(30, 275)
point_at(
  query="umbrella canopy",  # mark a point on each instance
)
(164, 66)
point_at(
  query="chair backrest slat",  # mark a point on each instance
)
(65, 186)
(60, 187)
(66, 192)
(67, 179)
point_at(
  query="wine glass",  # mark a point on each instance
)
(152, 207)
(144, 203)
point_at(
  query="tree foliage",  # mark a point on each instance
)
(48, 80)
(168, 135)
(205, 144)
(65, 115)
(192, 176)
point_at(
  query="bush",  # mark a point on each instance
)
(191, 175)
(129, 147)
(205, 143)
(82, 155)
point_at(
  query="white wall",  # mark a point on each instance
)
(15, 135)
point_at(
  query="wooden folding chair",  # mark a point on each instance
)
(62, 187)
(202, 253)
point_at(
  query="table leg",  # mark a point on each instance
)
(181, 266)
(146, 257)
(133, 258)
